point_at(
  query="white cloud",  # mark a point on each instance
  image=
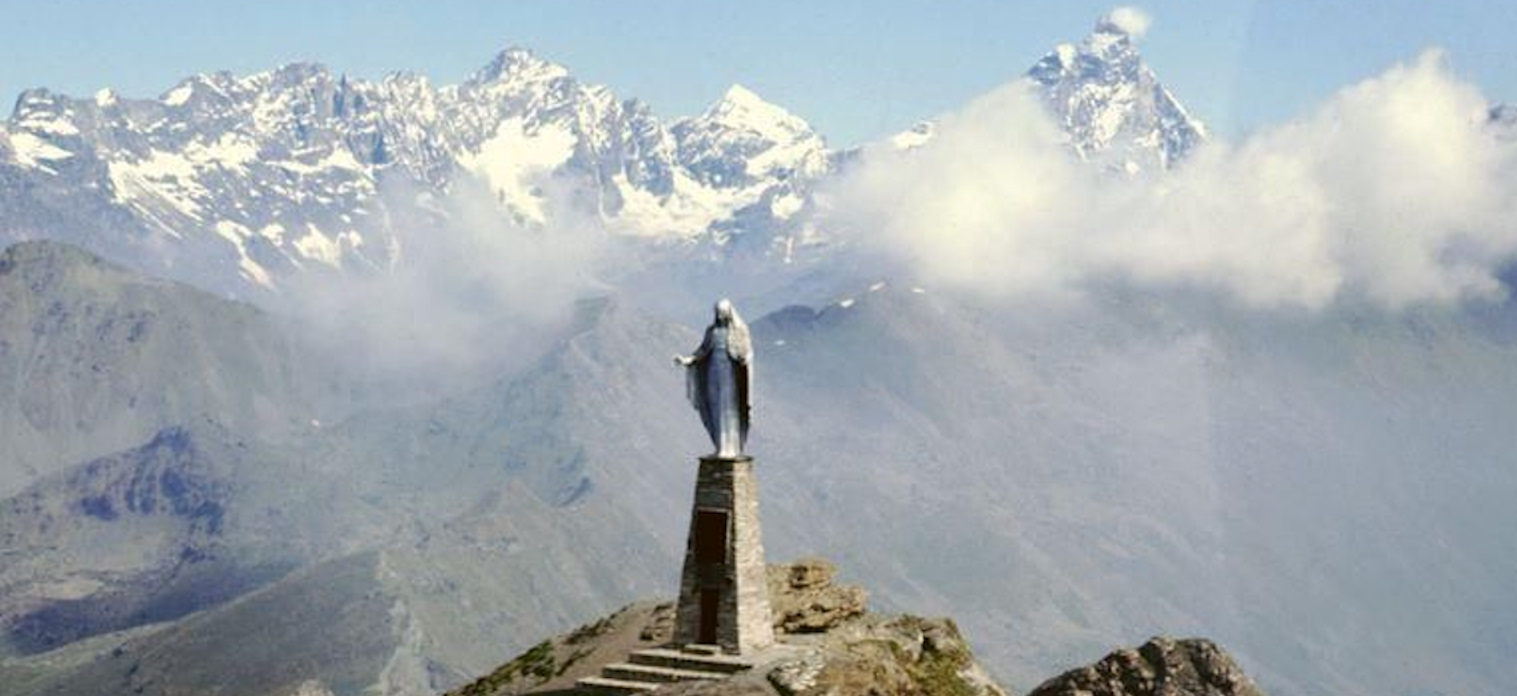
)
(1394, 191)
(472, 289)
(1129, 20)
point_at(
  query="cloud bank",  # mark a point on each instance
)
(471, 291)
(1397, 191)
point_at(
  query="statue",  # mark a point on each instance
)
(719, 379)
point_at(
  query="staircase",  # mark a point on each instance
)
(646, 670)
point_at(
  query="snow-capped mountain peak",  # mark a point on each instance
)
(198, 88)
(1108, 41)
(741, 108)
(235, 182)
(518, 64)
(1107, 101)
(1111, 104)
(743, 140)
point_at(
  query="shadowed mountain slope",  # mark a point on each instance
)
(95, 359)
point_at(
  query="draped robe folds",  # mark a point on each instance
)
(718, 383)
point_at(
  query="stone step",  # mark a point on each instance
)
(626, 671)
(702, 649)
(605, 686)
(675, 659)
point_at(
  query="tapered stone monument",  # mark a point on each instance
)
(724, 595)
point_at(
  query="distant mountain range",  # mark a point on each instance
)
(237, 184)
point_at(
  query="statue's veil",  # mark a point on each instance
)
(739, 344)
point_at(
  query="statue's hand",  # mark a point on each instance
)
(683, 360)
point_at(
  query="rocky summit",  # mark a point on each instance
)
(828, 644)
(1112, 106)
(831, 645)
(804, 599)
(1160, 667)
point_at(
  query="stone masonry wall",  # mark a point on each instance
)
(744, 622)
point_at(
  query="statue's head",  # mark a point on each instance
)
(724, 311)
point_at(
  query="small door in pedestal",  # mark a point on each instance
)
(711, 554)
(711, 607)
(710, 537)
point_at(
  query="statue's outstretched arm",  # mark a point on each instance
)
(700, 353)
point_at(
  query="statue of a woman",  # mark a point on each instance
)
(718, 379)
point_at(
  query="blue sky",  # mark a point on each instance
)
(856, 69)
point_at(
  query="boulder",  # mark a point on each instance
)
(1160, 667)
(804, 599)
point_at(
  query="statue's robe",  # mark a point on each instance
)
(719, 385)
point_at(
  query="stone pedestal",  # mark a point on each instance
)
(724, 596)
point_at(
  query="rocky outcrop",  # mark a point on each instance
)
(1160, 667)
(830, 645)
(873, 654)
(803, 598)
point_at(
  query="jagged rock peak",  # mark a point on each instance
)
(742, 113)
(1111, 104)
(740, 104)
(300, 71)
(1160, 667)
(220, 82)
(518, 63)
(743, 140)
(36, 100)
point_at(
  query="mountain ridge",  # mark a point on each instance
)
(239, 184)
(97, 358)
(284, 171)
